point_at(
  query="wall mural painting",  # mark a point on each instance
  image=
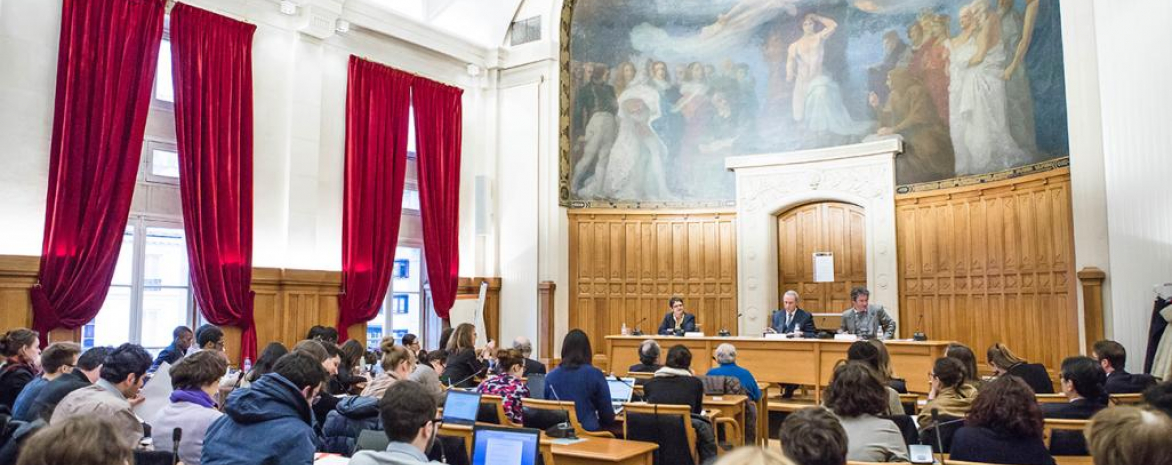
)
(661, 91)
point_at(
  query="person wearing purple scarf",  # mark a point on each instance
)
(196, 379)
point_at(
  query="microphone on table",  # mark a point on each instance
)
(564, 427)
(939, 439)
(176, 435)
(459, 383)
(637, 331)
(919, 334)
(724, 331)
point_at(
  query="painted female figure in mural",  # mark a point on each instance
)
(625, 77)
(977, 100)
(817, 100)
(696, 109)
(635, 169)
(930, 59)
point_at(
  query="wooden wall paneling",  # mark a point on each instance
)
(833, 227)
(992, 263)
(625, 265)
(470, 287)
(18, 274)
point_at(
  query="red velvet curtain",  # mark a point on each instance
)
(105, 70)
(438, 127)
(377, 104)
(212, 65)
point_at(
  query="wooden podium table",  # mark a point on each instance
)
(807, 362)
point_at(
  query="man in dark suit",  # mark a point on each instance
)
(677, 321)
(522, 344)
(791, 319)
(1113, 358)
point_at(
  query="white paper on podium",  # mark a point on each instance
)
(776, 336)
(823, 267)
(157, 393)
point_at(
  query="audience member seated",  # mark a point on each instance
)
(465, 363)
(398, 363)
(350, 378)
(196, 381)
(264, 364)
(83, 440)
(674, 384)
(323, 334)
(208, 337)
(886, 373)
(113, 395)
(1082, 383)
(181, 339)
(507, 383)
(411, 342)
(648, 357)
(86, 373)
(968, 360)
(949, 394)
(57, 360)
(21, 348)
(446, 337)
(427, 374)
(813, 436)
(270, 422)
(1159, 397)
(1004, 362)
(525, 346)
(866, 353)
(408, 415)
(1004, 426)
(578, 381)
(1113, 358)
(750, 455)
(726, 356)
(329, 356)
(858, 397)
(1130, 436)
(353, 414)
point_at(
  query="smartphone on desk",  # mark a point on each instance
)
(920, 454)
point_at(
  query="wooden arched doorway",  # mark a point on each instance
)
(835, 227)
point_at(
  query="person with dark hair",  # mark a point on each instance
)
(674, 384)
(1003, 426)
(1082, 383)
(1004, 362)
(270, 422)
(523, 345)
(1113, 358)
(350, 376)
(409, 420)
(85, 440)
(866, 320)
(341, 426)
(867, 353)
(507, 382)
(86, 373)
(21, 348)
(949, 394)
(196, 381)
(857, 396)
(58, 359)
(464, 362)
(677, 321)
(1159, 397)
(968, 360)
(264, 364)
(427, 373)
(1128, 435)
(208, 337)
(649, 351)
(445, 337)
(411, 342)
(324, 334)
(114, 395)
(813, 436)
(181, 339)
(577, 380)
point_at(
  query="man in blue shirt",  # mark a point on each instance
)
(182, 337)
(726, 356)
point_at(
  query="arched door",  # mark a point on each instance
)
(834, 227)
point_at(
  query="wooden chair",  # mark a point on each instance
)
(1127, 399)
(1052, 425)
(559, 409)
(763, 414)
(1051, 398)
(640, 375)
(910, 399)
(497, 405)
(546, 449)
(660, 424)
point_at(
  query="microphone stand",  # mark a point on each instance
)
(637, 331)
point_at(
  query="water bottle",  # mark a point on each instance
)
(247, 367)
(624, 331)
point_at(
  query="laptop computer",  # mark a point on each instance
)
(536, 383)
(504, 446)
(461, 407)
(621, 390)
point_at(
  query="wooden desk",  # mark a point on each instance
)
(794, 361)
(729, 406)
(602, 450)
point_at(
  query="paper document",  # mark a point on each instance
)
(504, 452)
(157, 393)
(823, 267)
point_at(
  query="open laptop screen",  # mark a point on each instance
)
(621, 390)
(504, 446)
(461, 407)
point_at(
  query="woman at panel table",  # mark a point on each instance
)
(677, 321)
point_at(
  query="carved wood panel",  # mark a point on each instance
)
(838, 228)
(624, 266)
(992, 263)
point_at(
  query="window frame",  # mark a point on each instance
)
(148, 166)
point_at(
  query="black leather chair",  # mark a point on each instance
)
(670, 426)
(907, 428)
(1035, 375)
(154, 457)
(948, 427)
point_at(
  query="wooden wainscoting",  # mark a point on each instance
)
(625, 265)
(992, 263)
(834, 227)
(18, 274)
(289, 302)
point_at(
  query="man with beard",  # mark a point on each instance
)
(595, 109)
(909, 112)
(408, 417)
(897, 55)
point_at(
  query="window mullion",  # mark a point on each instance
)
(138, 274)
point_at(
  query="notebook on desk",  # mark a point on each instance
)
(504, 446)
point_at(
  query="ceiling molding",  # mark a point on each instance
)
(367, 14)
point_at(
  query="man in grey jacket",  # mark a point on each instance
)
(866, 320)
(408, 415)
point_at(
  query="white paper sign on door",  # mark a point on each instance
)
(823, 267)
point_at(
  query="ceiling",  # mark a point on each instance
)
(484, 22)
